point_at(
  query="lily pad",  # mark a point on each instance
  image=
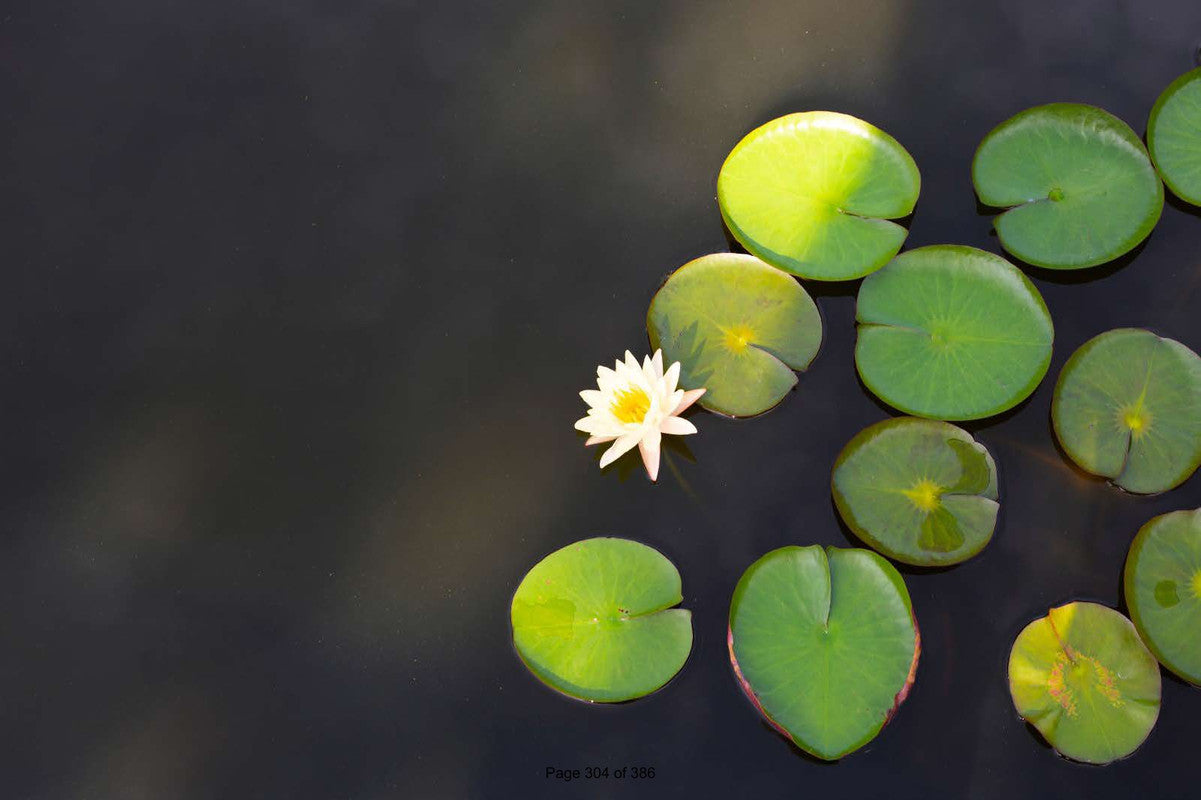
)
(951, 332)
(812, 193)
(1082, 676)
(1128, 406)
(1078, 182)
(1174, 136)
(824, 643)
(919, 491)
(1163, 590)
(738, 328)
(595, 620)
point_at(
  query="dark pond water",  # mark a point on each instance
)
(300, 296)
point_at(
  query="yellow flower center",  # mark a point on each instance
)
(737, 338)
(1137, 419)
(630, 405)
(924, 494)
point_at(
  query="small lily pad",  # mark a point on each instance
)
(1078, 183)
(1174, 136)
(951, 332)
(919, 491)
(1082, 676)
(738, 327)
(812, 193)
(1128, 406)
(824, 643)
(595, 620)
(1163, 590)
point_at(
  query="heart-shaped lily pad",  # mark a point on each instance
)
(1163, 590)
(951, 332)
(1083, 677)
(812, 193)
(1174, 136)
(1128, 406)
(917, 490)
(1078, 183)
(595, 620)
(738, 328)
(824, 643)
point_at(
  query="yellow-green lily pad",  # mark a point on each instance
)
(1082, 676)
(825, 645)
(1077, 181)
(595, 620)
(738, 327)
(812, 193)
(919, 491)
(1163, 590)
(1174, 136)
(1127, 406)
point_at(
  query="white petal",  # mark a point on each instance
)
(631, 362)
(657, 361)
(649, 448)
(677, 426)
(671, 377)
(618, 449)
(598, 440)
(593, 397)
(690, 397)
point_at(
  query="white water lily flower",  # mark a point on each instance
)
(636, 405)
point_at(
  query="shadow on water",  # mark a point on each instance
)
(1183, 206)
(796, 750)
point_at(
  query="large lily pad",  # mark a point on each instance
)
(1163, 590)
(812, 193)
(825, 644)
(1174, 136)
(1128, 406)
(738, 328)
(1078, 182)
(951, 332)
(595, 620)
(917, 490)
(1082, 676)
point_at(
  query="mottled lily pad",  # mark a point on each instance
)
(1078, 183)
(1174, 136)
(1084, 679)
(917, 490)
(951, 332)
(595, 620)
(738, 327)
(1163, 590)
(1127, 406)
(824, 643)
(812, 193)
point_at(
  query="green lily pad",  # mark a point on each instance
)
(824, 643)
(951, 332)
(1083, 677)
(1174, 136)
(1163, 590)
(1078, 183)
(1128, 406)
(738, 328)
(595, 620)
(812, 193)
(919, 491)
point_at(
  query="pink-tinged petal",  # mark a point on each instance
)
(619, 448)
(598, 440)
(671, 377)
(649, 448)
(593, 397)
(677, 426)
(690, 397)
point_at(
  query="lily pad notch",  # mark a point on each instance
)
(596, 620)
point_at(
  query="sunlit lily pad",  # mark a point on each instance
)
(951, 332)
(1174, 136)
(1163, 590)
(738, 328)
(595, 620)
(1084, 679)
(1077, 180)
(825, 644)
(1128, 406)
(917, 490)
(812, 193)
